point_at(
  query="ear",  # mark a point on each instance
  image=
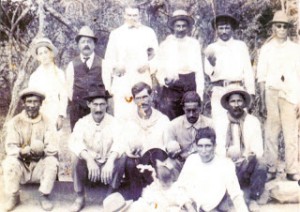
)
(88, 104)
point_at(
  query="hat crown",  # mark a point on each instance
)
(180, 13)
(42, 40)
(86, 31)
(114, 202)
(32, 91)
(280, 16)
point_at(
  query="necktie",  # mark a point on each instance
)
(85, 62)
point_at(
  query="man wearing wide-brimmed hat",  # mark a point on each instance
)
(31, 149)
(278, 75)
(83, 72)
(244, 143)
(96, 144)
(179, 64)
(227, 63)
(129, 51)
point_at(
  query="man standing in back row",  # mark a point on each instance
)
(227, 64)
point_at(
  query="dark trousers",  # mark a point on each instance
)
(77, 111)
(252, 173)
(140, 180)
(80, 174)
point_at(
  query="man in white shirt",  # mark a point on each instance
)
(179, 64)
(278, 75)
(227, 63)
(127, 59)
(207, 178)
(84, 72)
(95, 143)
(244, 143)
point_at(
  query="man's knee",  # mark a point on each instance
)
(11, 165)
(51, 162)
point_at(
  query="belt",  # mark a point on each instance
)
(224, 83)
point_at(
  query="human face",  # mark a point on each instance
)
(180, 28)
(206, 149)
(143, 100)
(32, 106)
(98, 109)
(132, 16)
(280, 30)
(45, 55)
(236, 104)
(192, 111)
(86, 46)
(224, 31)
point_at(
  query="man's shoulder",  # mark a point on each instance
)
(161, 116)
(206, 120)
(178, 120)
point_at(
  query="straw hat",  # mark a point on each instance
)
(280, 17)
(39, 42)
(180, 15)
(31, 91)
(241, 91)
(86, 31)
(115, 202)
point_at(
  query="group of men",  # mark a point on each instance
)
(109, 148)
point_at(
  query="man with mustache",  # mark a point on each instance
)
(96, 144)
(129, 51)
(84, 72)
(227, 63)
(179, 64)
(182, 130)
(31, 148)
(244, 143)
(144, 138)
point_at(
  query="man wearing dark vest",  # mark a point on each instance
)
(83, 73)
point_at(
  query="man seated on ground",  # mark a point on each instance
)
(244, 143)
(206, 179)
(145, 138)
(182, 130)
(93, 141)
(31, 148)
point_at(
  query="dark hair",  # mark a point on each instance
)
(138, 87)
(206, 132)
(191, 96)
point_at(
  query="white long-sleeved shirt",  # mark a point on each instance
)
(52, 82)
(232, 63)
(180, 56)
(279, 67)
(127, 49)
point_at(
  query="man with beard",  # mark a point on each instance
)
(145, 138)
(84, 72)
(244, 143)
(95, 143)
(179, 64)
(31, 149)
(127, 60)
(227, 63)
(182, 130)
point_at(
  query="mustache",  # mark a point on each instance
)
(87, 48)
(98, 112)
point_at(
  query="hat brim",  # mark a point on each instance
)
(90, 98)
(234, 22)
(225, 97)
(34, 48)
(30, 93)
(189, 19)
(128, 203)
(79, 36)
(282, 22)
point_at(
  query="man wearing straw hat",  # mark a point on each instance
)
(179, 64)
(244, 143)
(278, 75)
(83, 72)
(31, 149)
(227, 63)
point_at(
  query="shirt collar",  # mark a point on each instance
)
(188, 125)
(102, 123)
(91, 57)
(30, 120)
(225, 43)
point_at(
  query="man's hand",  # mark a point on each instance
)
(59, 122)
(173, 149)
(263, 109)
(234, 153)
(212, 60)
(25, 152)
(169, 81)
(107, 172)
(119, 71)
(143, 69)
(94, 170)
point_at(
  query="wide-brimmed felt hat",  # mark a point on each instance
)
(280, 17)
(99, 93)
(39, 42)
(31, 91)
(86, 31)
(180, 15)
(234, 22)
(241, 91)
(115, 202)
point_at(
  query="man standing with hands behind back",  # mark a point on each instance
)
(84, 72)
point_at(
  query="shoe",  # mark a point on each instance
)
(271, 176)
(293, 177)
(253, 206)
(46, 204)
(78, 204)
(12, 202)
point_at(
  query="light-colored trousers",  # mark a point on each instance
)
(15, 172)
(281, 115)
